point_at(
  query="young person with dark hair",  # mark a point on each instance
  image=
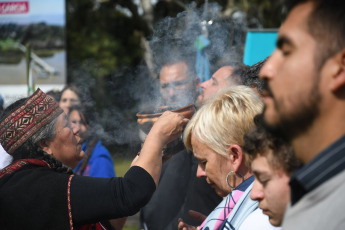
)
(272, 162)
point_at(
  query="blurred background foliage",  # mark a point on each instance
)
(108, 52)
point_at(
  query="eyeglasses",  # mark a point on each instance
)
(177, 85)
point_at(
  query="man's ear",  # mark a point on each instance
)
(236, 155)
(45, 146)
(338, 71)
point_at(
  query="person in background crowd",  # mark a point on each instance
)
(215, 135)
(224, 77)
(38, 189)
(70, 95)
(179, 85)
(97, 161)
(55, 93)
(272, 162)
(305, 103)
(179, 189)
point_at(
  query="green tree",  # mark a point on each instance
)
(108, 49)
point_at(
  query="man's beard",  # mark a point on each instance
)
(184, 98)
(294, 123)
(200, 100)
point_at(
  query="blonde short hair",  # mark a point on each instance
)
(224, 119)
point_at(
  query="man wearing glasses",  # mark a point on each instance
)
(179, 189)
(179, 85)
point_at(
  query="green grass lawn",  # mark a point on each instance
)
(130, 227)
(121, 167)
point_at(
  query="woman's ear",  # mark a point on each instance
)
(45, 146)
(236, 155)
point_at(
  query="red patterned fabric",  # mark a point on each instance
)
(18, 165)
(37, 111)
(69, 202)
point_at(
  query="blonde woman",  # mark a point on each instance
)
(215, 136)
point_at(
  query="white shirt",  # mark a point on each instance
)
(5, 158)
(257, 220)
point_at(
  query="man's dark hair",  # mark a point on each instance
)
(327, 25)
(240, 71)
(172, 60)
(260, 141)
(251, 77)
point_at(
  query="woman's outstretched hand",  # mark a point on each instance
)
(167, 128)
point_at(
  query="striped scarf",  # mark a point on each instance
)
(222, 212)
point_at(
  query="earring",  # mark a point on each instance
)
(227, 179)
(229, 174)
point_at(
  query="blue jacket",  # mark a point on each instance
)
(100, 163)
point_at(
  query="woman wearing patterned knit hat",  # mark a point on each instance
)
(38, 189)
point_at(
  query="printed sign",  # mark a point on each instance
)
(14, 7)
(32, 47)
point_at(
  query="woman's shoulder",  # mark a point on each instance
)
(37, 180)
(43, 173)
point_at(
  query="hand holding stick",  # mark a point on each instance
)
(167, 128)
